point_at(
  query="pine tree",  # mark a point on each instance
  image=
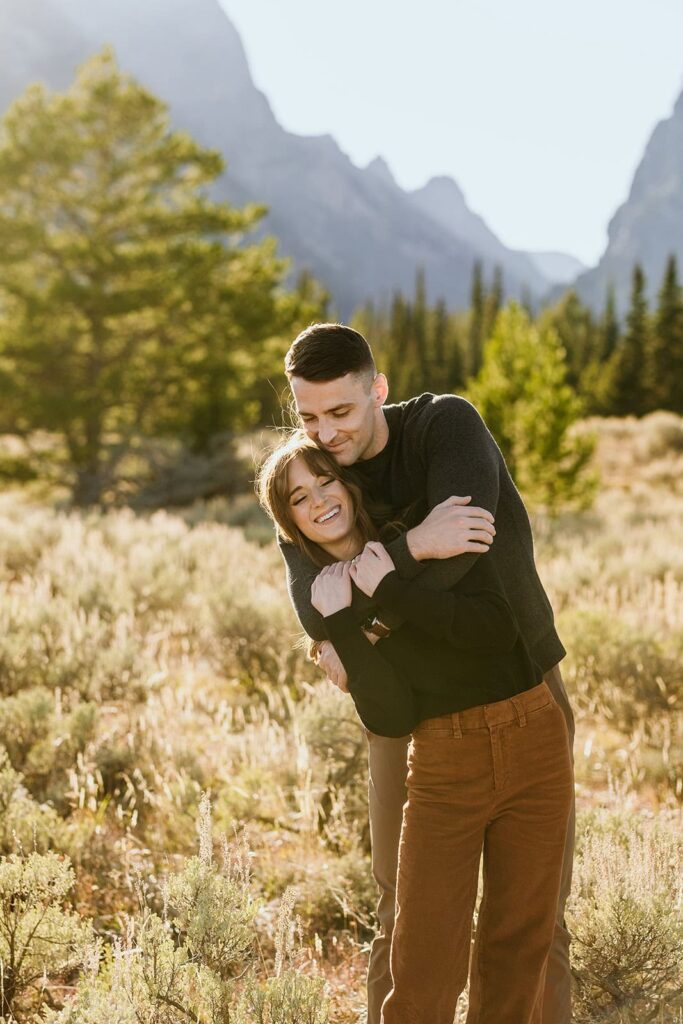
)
(608, 334)
(667, 355)
(629, 369)
(574, 324)
(419, 334)
(397, 364)
(476, 326)
(127, 305)
(439, 342)
(523, 395)
(494, 301)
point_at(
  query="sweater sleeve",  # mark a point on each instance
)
(481, 618)
(461, 458)
(385, 702)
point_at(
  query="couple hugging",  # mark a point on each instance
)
(437, 625)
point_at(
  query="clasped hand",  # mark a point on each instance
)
(331, 589)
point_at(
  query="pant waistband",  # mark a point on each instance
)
(484, 716)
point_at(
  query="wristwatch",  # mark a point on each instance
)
(374, 625)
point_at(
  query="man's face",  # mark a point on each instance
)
(341, 415)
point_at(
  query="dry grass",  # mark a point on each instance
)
(145, 660)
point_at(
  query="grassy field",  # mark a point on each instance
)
(148, 662)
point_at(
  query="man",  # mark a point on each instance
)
(428, 450)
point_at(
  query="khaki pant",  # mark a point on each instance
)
(387, 795)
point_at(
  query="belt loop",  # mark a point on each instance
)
(455, 722)
(519, 711)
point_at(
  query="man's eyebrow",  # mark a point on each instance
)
(334, 408)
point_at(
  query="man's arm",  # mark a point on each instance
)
(462, 458)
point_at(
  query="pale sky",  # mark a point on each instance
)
(539, 109)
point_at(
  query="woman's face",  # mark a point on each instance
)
(320, 506)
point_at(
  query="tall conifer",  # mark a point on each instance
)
(630, 374)
(667, 354)
(476, 328)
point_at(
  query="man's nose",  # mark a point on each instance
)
(326, 433)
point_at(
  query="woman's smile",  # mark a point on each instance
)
(329, 515)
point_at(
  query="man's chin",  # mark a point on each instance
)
(344, 457)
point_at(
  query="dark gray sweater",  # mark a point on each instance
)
(440, 446)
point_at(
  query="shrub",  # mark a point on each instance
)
(24, 823)
(41, 942)
(625, 919)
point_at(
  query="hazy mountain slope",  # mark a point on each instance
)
(649, 225)
(355, 228)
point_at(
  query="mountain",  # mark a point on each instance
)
(557, 266)
(648, 227)
(355, 228)
(443, 200)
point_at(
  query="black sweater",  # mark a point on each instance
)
(439, 446)
(456, 650)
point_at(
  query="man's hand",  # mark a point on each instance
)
(452, 528)
(328, 660)
(369, 568)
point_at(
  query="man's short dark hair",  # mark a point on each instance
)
(325, 352)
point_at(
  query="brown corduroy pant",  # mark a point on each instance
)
(545, 741)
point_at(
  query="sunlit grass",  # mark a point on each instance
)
(146, 660)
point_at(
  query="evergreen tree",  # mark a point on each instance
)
(523, 395)
(419, 335)
(608, 333)
(126, 304)
(630, 373)
(439, 342)
(667, 355)
(494, 301)
(595, 380)
(476, 325)
(574, 324)
(398, 368)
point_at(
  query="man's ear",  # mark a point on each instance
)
(380, 390)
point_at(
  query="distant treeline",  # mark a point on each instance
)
(617, 369)
(135, 309)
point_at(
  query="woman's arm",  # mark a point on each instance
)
(477, 617)
(385, 703)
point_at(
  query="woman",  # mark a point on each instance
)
(489, 760)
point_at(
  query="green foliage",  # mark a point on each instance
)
(40, 941)
(523, 395)
(576, 331)
(476, 339)
(186, 967)
(667, 356)
(630, 365)
(626, 927)
(420, 348)
(214, 910)
(26, 824)
(128, 306)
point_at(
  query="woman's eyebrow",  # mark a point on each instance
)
(293, 492)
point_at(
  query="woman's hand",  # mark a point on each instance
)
(370, 567)
(331, 589)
